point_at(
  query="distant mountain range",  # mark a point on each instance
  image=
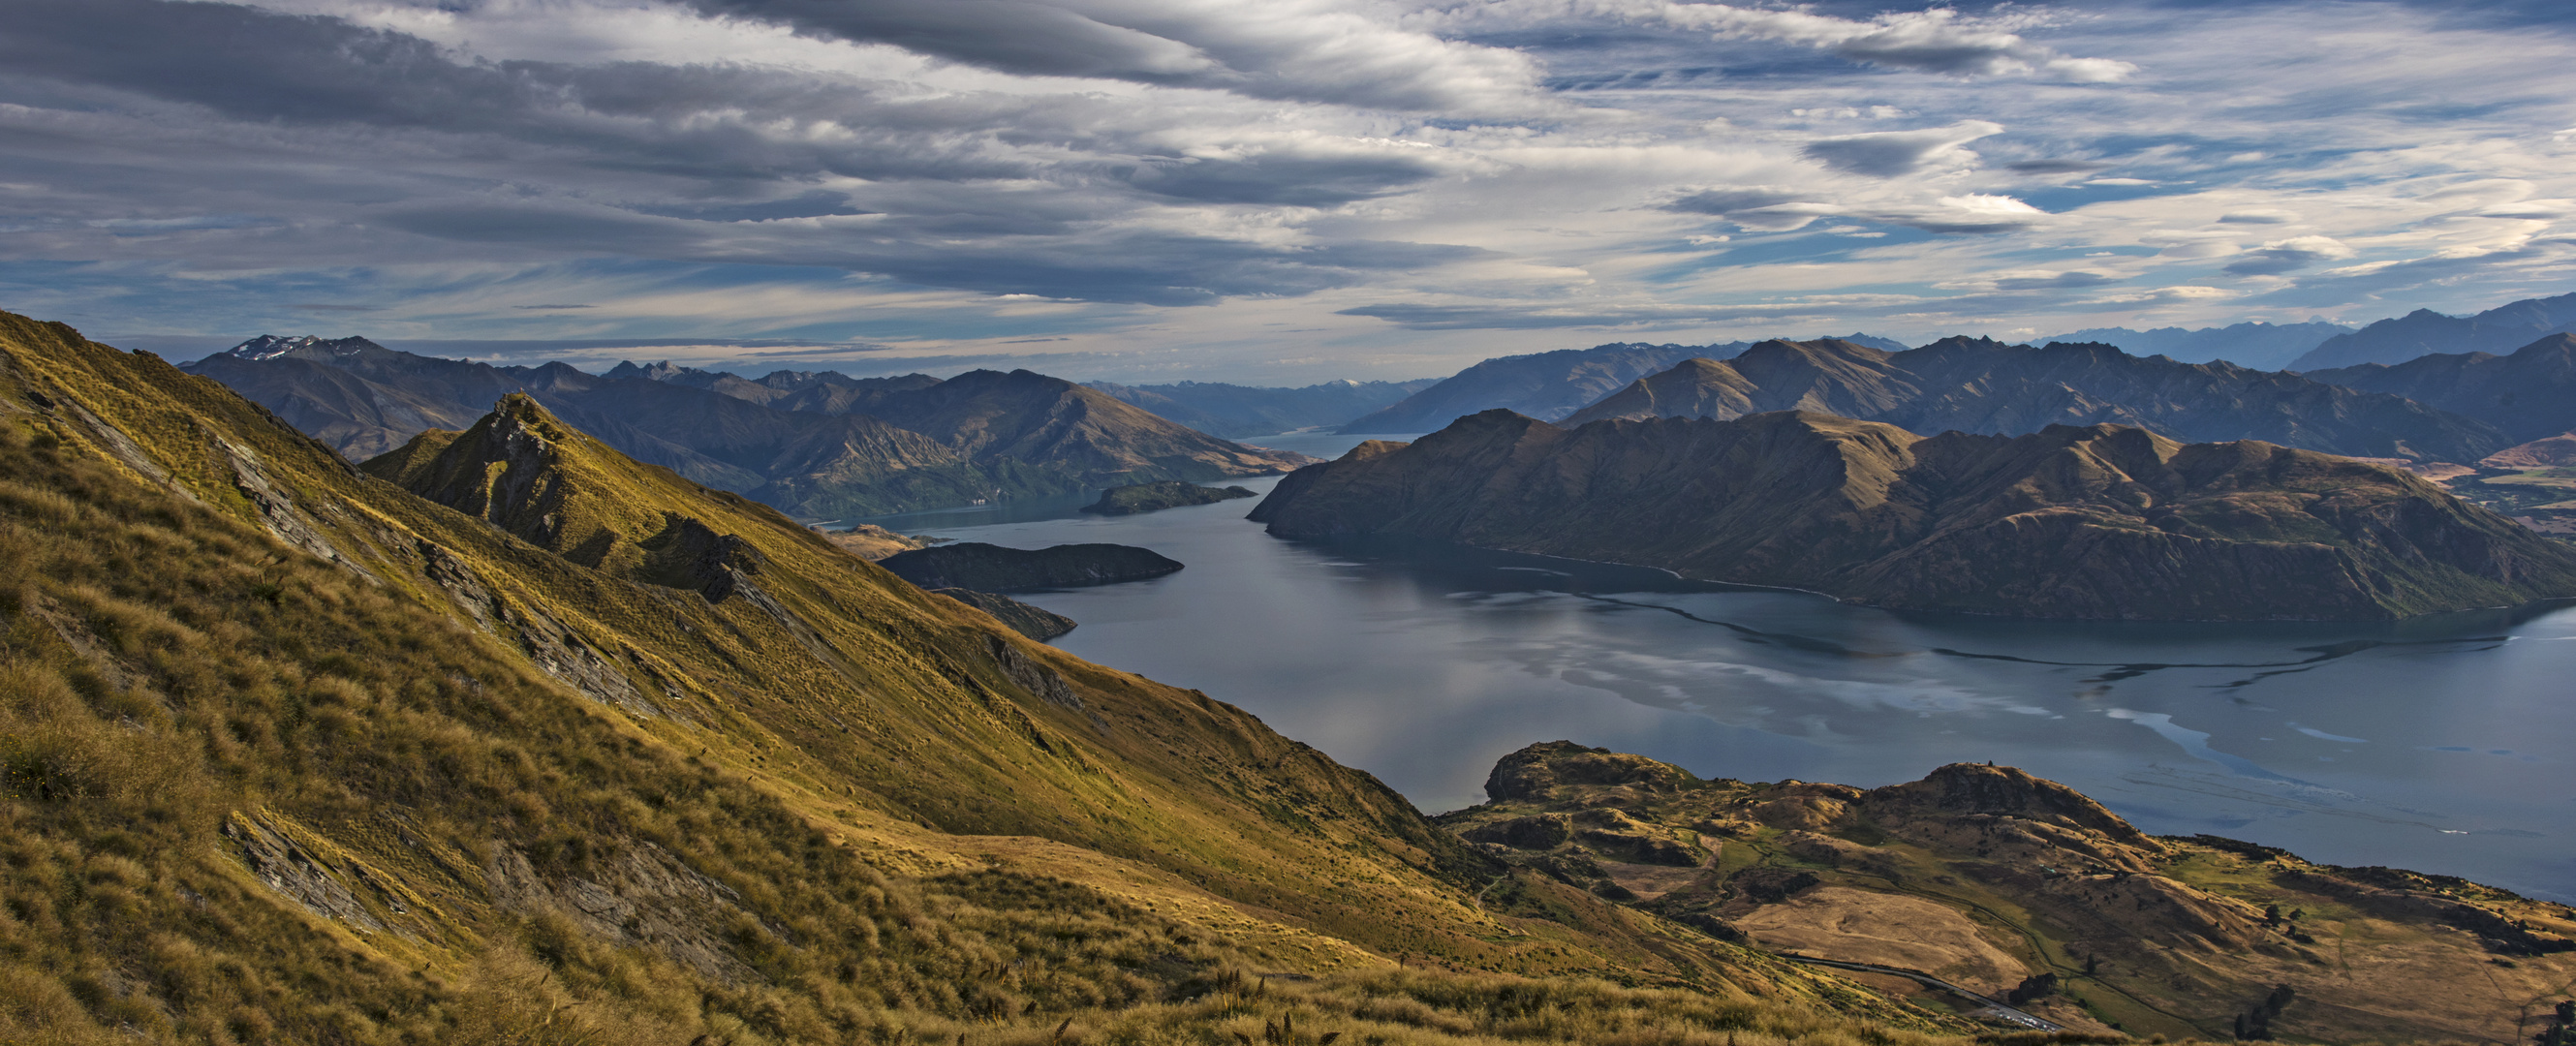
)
(2530, 394)
(817, 445)
(2092, 522)
(2425, 332)
(1243, 410)
(1985, 386)
(2260, 346)
(1547, 385)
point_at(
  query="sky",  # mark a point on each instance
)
(1273, 192)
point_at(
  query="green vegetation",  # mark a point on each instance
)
(294, 755)
(2000, 881)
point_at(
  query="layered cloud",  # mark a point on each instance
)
(1306, 188)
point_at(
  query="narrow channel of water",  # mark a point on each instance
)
(2438, 744)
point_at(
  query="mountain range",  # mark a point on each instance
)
(511, 739)
(816, 445)
(2259, 346)
(2091, 522)
(1986, 386)
(2529, 393)
(1546, 385)
(1243, 410)
(2425, 332)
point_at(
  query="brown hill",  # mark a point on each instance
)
(1997, 880)
(1986, 386)
(2557, 451)
(2095, 522)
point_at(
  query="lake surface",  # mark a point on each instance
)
(2438, 744)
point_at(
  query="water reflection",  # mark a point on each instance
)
(2436, 743)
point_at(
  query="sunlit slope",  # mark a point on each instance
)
(296, 755)
(1992, 878)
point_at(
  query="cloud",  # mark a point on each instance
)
(1938, 40)
(1308, 50)
(2257, 216)
(2290, 255)
(2055, 167)
(1887, 154)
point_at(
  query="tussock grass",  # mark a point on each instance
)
(250, 797)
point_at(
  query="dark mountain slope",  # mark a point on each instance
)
(1981, 385)
(2425, 332)
(359, 417)
(2095, 522)
(2530, 394)
(295, 755)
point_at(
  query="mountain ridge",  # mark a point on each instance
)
(2097, 522)
(1981, 385)
(2425, 332)
(810, 444)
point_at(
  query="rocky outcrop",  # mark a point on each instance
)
(1536, 771)
(994, 568)
(1149, 497)
(2094, 522)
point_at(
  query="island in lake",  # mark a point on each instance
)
(1148, 497)
(994, 568)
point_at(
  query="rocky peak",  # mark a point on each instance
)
(1971, 789)
(1536, 771)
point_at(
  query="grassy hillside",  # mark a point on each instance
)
(295, 755)
(1998, 881)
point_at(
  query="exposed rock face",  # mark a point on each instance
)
(2098, 522)
(993, 568)
(1035, 623)
(1982, 385)
(1148, 497)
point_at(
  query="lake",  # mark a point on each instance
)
(2437, 744)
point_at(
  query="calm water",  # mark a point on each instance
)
(2442, 745)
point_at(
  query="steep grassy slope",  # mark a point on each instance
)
(2097, 522)
(1994, 880)
(294, 755)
